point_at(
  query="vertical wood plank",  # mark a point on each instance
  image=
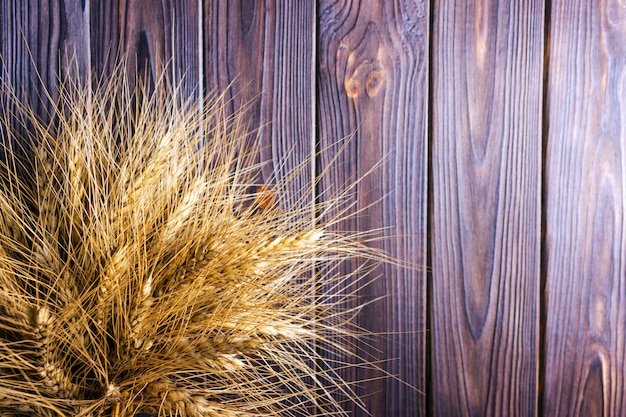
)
(485, 219)
(262, 54)
(38, 39)
(372, 81)
(585, 194)
(151, 36)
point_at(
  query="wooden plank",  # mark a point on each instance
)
(38, 40)
(485, 220)
(373, 61)
(151, 36)
(585, 183)
(262, 54)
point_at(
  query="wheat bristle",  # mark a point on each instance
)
(138, 272)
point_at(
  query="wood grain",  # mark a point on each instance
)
(152, 37)
(262, 54)
(372, 83)
(485, 219)
(585, 197)
(39, 40)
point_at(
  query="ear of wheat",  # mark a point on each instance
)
(140, 274)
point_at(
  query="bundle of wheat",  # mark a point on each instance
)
(142, 272)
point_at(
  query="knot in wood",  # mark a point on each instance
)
(353, 88)
(368, 73)
(374, 81)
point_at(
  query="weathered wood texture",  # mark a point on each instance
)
(585, 200)
(262, 55)
(38, 41)
(372, 76)
(150, 36)
(486, 181)
(309, 74)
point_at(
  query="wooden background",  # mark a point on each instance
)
(502, 127)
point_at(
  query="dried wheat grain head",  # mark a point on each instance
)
(141, 271)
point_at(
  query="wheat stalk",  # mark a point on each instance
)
(138, 273)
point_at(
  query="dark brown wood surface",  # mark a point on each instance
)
(150, 36)
(485, 219)
(519, 325)
(585, 201)
(372, 87)
(39, 39)
(262, 54)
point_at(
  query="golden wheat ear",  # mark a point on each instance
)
(144, 268)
